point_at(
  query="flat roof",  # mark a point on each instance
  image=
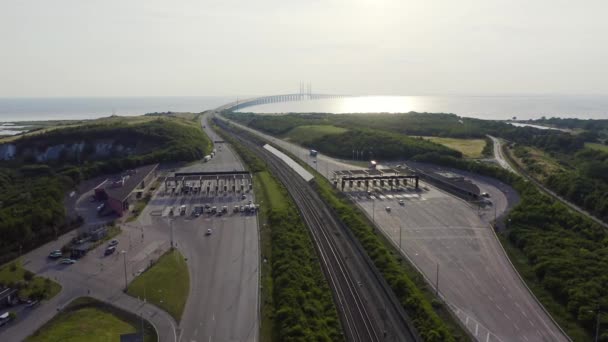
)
(131, 182)
(295, 166)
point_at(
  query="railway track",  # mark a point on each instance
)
(367, 311)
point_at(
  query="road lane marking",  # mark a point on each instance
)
(488, 337)
(476, 329)
(526, 338)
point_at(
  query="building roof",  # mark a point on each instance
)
(130, 183)
(291, 163)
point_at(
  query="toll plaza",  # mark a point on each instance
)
(356, 179)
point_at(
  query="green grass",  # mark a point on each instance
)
(86, 319)
(13, 274)
(139, 207)
(557, 310)
(596, 146)
(272, 192)
(166, 284)
(263, 186)
(470, 148)
(301, 134)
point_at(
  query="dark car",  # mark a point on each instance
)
(110, 250)
(55, 254)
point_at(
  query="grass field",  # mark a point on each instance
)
(166, 284)
(597, 146)
(302, 134)
(266, 192)
(14, 273)
(92, 321)
(536, 162)
(470, 148)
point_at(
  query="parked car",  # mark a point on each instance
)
(388, 209)
(401, 202)
(55, 254)
(485, 194)
(208, 231)
(113, 243)
(5, 318)
(243, 197)
(30, 303)
(110, 250)
(67, 261)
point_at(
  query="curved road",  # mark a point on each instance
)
(504, 163)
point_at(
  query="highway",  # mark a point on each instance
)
(475, 276)
(224, 267)
(368, 309)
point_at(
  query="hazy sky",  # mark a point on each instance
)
(254, 47)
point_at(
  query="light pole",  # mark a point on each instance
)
(597, 323)
(124, 259)
(374, 212)
(171, 228)
(400, 230)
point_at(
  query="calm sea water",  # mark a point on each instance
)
(483, 107)
(34, 109)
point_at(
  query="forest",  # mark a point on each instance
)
(31, 194)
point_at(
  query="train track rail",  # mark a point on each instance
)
(367, 311)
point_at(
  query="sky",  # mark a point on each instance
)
(69, 48)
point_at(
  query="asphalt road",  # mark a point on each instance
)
(475, 276)
(96, 276)
(224, 267)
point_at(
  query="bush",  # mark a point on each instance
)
(28, 276)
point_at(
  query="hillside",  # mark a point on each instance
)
(32, 188)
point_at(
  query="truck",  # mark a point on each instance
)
(313, 153)
(207, 158)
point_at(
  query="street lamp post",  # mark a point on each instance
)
(400, 230)
(124, 259)
(374, 211)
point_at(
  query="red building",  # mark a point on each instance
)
(120, 192)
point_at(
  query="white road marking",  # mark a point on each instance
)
(499, 308)
(476, 329)
(525, 338)
(531, 323)
(509, 318)
(488, 337)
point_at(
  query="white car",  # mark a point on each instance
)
(67, 261)
(208, 231)
(388, 209)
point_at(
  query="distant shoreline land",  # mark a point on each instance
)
(21, 115)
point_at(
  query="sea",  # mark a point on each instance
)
(521, 107)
